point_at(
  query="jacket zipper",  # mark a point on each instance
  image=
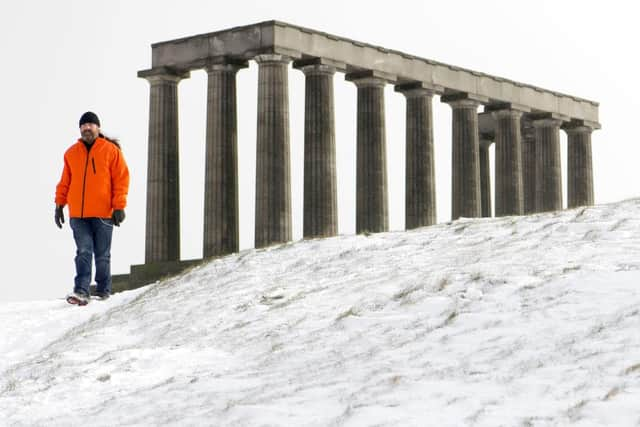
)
(84, 182)
(93, 163)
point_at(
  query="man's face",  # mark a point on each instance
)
(89, 132)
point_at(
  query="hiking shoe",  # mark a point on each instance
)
(77, 298)
(101, 295)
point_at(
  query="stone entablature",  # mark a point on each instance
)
(349, 56)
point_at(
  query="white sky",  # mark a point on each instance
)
(62, 58)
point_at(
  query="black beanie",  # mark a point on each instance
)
(89, 117)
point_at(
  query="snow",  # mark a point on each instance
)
(530, 321)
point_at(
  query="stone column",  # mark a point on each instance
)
(162, 241)
(273, 174)
(485, 175)
(508, 164)
(528, 134)
(579, 165)
(371, 175)
(548, 167)
(221, 169)
(465, 166)
(420, 189)
(320, 193)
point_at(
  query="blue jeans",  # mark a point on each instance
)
(92, 236)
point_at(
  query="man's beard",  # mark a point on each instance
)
(88, 137)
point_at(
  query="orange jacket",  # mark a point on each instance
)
(94, 182)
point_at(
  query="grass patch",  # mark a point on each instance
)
(442, 283)
(614, 391)
(451, 318)
(351, 312)
(406, 292)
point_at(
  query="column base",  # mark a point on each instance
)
(145, 274)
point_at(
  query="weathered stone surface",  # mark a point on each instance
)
(320, 192)
(273, 173)
(148, 273)
(371, 157)
(221, 164)
(465, 168)
(508, 163)
(548, 166)
(420, 189)
(485, 176)
(163, 187)
(528, 165)
(279, 37)
(580, 167)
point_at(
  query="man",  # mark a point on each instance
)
(94, 183)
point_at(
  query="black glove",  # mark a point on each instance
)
(59, 216)
(118, 217)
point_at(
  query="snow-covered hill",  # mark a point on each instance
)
(530, 321)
